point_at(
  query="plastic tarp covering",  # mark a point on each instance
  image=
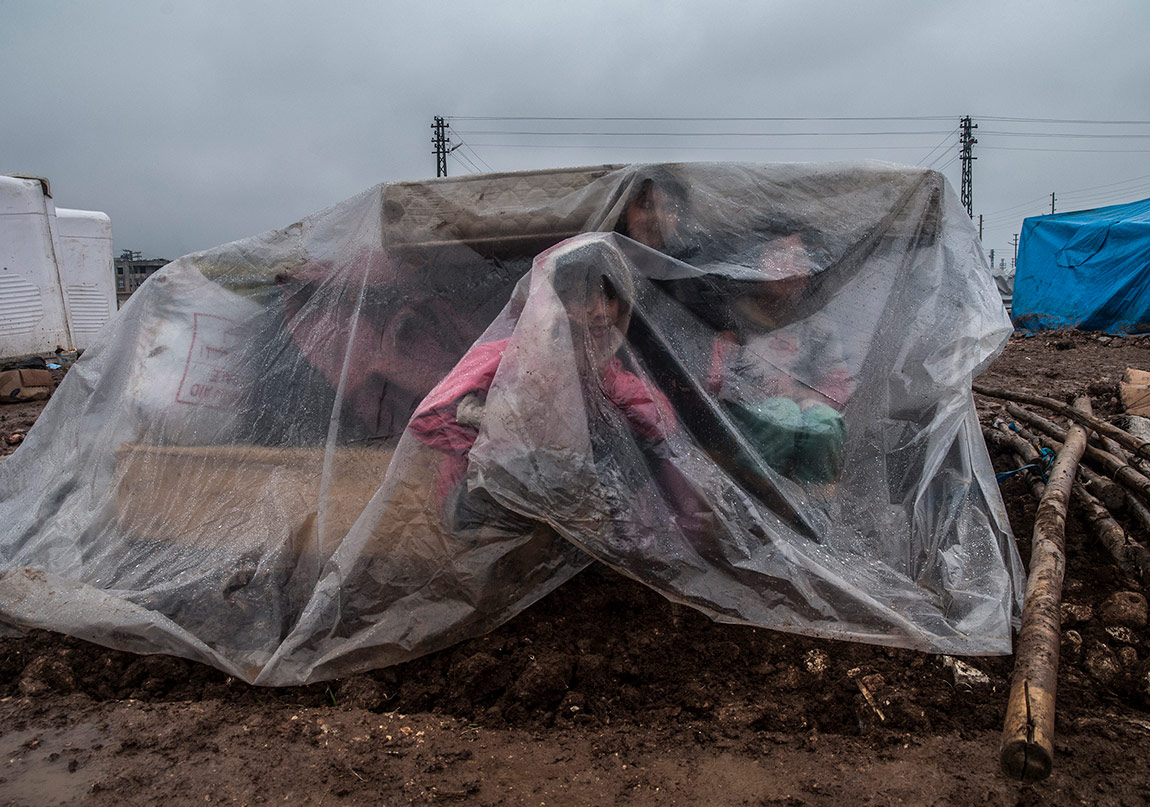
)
(399, 422)
(1088, 270)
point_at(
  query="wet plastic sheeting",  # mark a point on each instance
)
(399, 422)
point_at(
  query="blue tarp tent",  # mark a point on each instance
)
(1089, 270)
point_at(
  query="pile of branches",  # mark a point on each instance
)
(1100, 468)
(1112, 478)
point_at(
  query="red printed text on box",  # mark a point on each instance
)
(209, 376)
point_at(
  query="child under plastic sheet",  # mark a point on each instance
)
(374, 332)
(783, 377)
(655, 215)
(591, 281)
(782, 374)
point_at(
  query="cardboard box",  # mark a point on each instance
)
(19, 386)
(1135, 391)
(243, 498)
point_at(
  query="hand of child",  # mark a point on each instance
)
(470, 411)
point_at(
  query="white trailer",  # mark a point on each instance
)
(57, 282)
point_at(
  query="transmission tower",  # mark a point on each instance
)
(441, 141)
(966, 142)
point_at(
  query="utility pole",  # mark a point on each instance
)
(979, 226)
(992, 259)
(1014, 262)
(1052, 203)
(966, 142)
(441, 141)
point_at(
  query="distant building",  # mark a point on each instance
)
(132, 270)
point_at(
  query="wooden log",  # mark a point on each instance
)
(1139, 511)
(1027, 751)
(1115, 467)
(1131, 556)
(1137, 446)
(1103, 442)
(1111, 494)
(1007, 439)
(1137, 558)
(1029, 436)
(1109, 446)
(1044, 425)
(1022, 451)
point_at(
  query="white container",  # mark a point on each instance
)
(87, 272)
(57, 283)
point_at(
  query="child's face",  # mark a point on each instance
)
(596, 316)
(652, 218)
(786, 268)
(601, 313)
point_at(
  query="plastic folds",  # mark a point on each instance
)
(400, 422)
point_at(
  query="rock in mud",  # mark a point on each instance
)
(1102, 664)
(1074, 614)
(361, 692)
(1126, 609)
(544, 682)
(46, 675)
(1071, 645)
(480, 675)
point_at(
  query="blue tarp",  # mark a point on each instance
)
(1089, 270)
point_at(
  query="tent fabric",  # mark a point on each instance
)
(401, 421)
(1088, 270)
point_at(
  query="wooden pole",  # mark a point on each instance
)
(1027, 751)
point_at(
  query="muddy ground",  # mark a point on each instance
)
(606, 693)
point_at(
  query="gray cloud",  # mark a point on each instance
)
(192, 123)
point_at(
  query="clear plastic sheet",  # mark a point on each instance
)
(399, 422)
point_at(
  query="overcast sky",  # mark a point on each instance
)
(196, 122)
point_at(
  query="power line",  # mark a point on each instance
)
(1066, 120)
(1069, 151)
(462, 143)
(948, 163)
(695, 119)
(645, 147)
(475, 154)
(1076, 135)
(1112, 184)
(1013, 211)
(467, 162)
(619, 140)
(944, 141)
(1098, 194)
(934, 164)
(1109, 197)
(470, 133)
(1022, 212)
